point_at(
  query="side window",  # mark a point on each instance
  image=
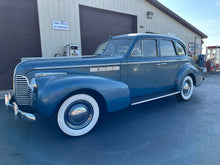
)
(167, 48)
(180, 50)
(145, 48)
(149, 48)
(137, 51)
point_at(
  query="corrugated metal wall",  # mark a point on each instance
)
(53, 41)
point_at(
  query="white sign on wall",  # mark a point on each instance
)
(60, 25)
(171, 34)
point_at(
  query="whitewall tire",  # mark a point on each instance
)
(78, 115)
(186, 89)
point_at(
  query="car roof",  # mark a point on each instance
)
(145, 35)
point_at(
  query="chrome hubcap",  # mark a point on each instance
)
(186, 88)
(78, 115)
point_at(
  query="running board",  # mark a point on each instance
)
(155, 98)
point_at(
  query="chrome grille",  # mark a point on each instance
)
(23, 93)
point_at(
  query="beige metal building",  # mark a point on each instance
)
(43, 27)
(88, 22)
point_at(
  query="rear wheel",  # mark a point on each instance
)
(186, 89)
(78, 115)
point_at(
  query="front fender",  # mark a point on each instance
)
(53, 90)
(189, 69)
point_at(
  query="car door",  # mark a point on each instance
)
(143, 68)
(169, 64)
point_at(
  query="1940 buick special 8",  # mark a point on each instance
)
(125, 70)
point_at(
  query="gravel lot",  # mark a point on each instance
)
(164, 132)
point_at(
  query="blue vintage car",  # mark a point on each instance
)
(125, 71)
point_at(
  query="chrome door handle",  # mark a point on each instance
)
(158, 64)
(163, 63)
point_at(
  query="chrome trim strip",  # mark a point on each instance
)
(76, 66)
(97, 65)
(152, 62)
(49, 74)
(55, 58)
(156, 98)
(104, 69)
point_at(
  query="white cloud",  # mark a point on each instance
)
(217, 3)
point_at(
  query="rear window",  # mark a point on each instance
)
(180, 49)
(167, 48)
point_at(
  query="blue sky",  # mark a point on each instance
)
(204, 15)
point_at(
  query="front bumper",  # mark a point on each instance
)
(13, 108)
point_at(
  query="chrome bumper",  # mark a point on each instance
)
(13, 108)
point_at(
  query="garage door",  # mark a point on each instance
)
(19, 36)
(97, 25)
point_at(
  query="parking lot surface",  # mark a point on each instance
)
(160, 132)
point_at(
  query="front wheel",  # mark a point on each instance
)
(186, 89)
(78, 115)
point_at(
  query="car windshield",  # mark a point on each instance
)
(114, 47)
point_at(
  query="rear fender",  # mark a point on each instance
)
(191, 70)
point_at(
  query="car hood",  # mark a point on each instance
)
(30, 64)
